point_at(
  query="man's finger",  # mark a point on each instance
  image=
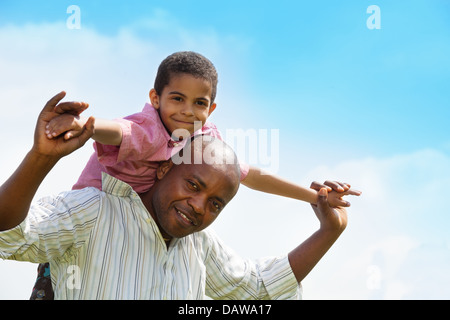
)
(317, 186)
(88, 131)
(74, 108)
(322, 201)
(50, 105)
(337, 186)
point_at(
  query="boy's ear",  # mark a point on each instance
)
(154, 98)
(163, 168)
(212, 108)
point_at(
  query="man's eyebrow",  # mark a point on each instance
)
(203, 184)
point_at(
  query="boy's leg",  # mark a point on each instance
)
(43, 287)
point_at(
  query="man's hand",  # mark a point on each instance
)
(332, 222)
(18, 191)
(59, 147)
(332, 215)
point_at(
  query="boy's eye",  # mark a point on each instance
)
(179, 99)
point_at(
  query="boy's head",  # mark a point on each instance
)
(188, 63)
(184, 91)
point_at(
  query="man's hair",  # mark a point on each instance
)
(186, 62)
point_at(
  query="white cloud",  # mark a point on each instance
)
(402, 211)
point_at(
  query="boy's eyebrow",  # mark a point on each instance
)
(183, 95)
(177, 92)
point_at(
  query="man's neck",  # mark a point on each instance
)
(147, 200)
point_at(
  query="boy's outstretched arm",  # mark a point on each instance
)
(106, 132)
(259, 180)
(332, 223)
(18, 191)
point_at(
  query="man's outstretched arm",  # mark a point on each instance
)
(333, 221)
(18, 191)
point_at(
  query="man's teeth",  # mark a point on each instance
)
(184, 216)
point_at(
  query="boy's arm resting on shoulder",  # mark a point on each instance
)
(18, 191)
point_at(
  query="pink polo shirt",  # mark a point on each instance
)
(145, 142)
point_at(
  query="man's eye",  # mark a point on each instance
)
(192, 185)
(217, 206)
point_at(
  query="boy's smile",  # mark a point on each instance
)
(185, 100)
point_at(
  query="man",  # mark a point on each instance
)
(116, 244)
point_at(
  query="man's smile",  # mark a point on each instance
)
(186, 217)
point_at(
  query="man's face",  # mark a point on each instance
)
(190, 197)
(183, 101)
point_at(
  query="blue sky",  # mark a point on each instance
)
(367, 106)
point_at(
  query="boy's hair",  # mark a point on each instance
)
(190, 63)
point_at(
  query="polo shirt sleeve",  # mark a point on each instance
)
(230, 277)
(54, 227)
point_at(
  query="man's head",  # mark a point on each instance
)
(184, 91)
(188, 197)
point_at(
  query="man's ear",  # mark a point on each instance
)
(154, 98)
(163, 168)
(212, 108)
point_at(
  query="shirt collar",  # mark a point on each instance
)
(116, 187)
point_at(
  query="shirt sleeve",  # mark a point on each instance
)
(53, 228)
(232, 278)
(143, 138)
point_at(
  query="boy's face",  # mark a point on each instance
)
(183, 101)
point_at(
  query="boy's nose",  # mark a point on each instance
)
(187, 110)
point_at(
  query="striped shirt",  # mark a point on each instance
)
(105, 245)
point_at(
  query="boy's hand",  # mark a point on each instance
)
(70, 125)
(335, 191)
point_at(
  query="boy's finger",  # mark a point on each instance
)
(352, 192)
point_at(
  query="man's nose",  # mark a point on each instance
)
(197, 203)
